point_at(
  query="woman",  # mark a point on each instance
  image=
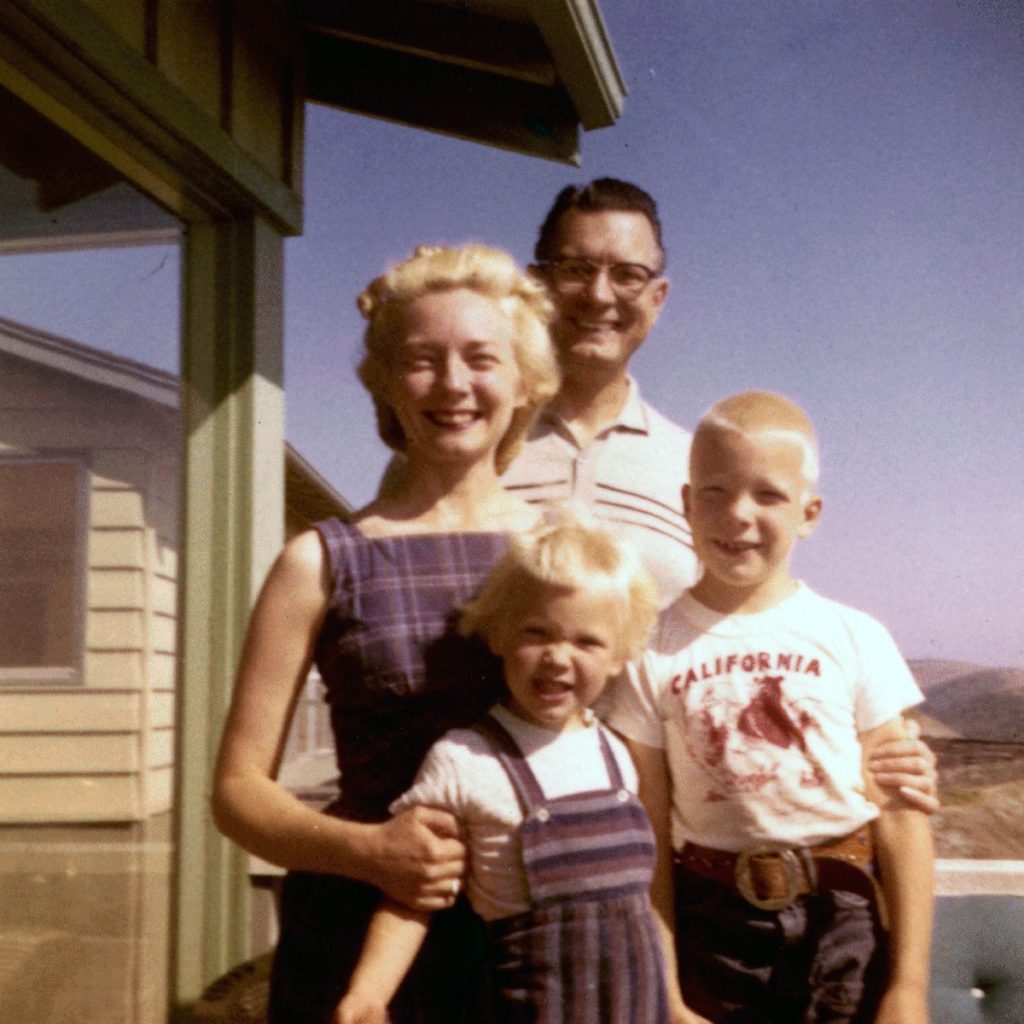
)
(457, 361)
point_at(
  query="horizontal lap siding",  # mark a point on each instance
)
(160, 753)
(115, 588)
(69, 710)
(112, 669)
(101, 750)
(161, 709)
(106, 752)
(162, 560)
(37, 799)
(159, 792)
(116, 615)
(110, 735)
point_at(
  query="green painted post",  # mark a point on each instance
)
(232, 526)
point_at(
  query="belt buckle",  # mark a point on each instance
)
(743, 876)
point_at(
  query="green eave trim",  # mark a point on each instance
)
(575, 34)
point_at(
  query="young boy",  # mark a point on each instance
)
(560, 850)
(749, 718)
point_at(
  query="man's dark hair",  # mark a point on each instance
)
(598, 196)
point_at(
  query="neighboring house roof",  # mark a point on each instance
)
(88, 363)
(308, 493)
(308, 496)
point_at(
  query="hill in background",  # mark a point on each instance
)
(930, 672)
(932, 728)
(973, 718)
(976, 702)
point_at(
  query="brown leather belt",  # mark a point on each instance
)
(771, 877)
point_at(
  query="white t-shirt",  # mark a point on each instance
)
(759, 716)
(462, 774)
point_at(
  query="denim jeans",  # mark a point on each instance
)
(817, 961)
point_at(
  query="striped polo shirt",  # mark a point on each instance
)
(631, 475)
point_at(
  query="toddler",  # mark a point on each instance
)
(560, 850)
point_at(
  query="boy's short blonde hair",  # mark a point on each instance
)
(770, 415)
(570, 550)
(489, 272)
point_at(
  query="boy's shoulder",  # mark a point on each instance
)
(834, 614)
(674, 628)
(806, 612)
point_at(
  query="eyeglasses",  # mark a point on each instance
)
(574, 274)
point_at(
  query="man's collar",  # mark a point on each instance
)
(633, 415)
(634, 412)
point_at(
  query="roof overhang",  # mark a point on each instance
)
(522, 75)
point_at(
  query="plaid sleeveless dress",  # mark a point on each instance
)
(588, 950)
(397, 676)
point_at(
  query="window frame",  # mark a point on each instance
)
(73, 674)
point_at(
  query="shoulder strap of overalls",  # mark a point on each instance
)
(511, 757)
(610, 761)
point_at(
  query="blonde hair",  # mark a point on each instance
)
(770, 416)
(490, 273)
(570, 550)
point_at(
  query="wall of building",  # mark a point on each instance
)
(99, 746)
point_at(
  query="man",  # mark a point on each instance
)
(601, 254)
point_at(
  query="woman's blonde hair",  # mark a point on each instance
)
(570, 550)
(489, 272)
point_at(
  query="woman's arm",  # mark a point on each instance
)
(392, 942)
(906, 862)
(413, 857)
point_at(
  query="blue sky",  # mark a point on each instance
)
(842, 193)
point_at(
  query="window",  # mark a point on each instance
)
(42, 571)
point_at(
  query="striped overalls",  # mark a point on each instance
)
(588, 949)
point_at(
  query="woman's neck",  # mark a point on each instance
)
(431, 497)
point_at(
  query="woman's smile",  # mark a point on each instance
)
(452, 419)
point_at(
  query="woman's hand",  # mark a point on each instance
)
(907, 765)
(418, 858)
(415, 857)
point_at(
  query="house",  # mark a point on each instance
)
(124, 121)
